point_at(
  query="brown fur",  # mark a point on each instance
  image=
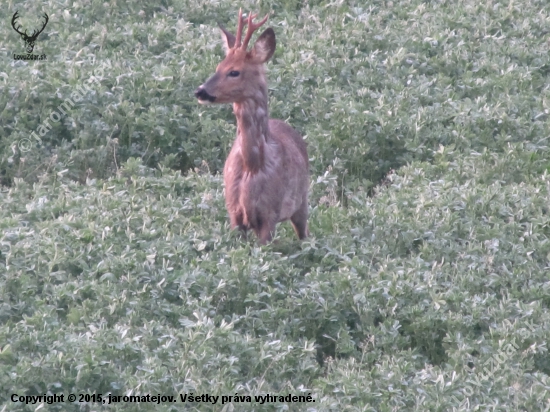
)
(266, 173)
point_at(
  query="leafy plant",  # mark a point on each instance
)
(424, 283)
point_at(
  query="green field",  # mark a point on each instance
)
(425, 283)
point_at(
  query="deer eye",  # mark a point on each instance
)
(234, 73)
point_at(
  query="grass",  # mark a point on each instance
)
(424, 285)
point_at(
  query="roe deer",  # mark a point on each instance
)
(266, 174)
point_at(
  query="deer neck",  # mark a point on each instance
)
(253, 128)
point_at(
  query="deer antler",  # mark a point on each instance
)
(35, 32)
(13, 19)
(240, 26)
(251, 28)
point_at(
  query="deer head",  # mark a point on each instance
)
(29, 40)
(239, 74)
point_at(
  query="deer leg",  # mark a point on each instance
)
(236, 222)
(299, 221)
(265, 231)
(265, 235)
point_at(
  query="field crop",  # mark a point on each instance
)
(425, 283)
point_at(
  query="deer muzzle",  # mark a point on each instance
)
(203, 96)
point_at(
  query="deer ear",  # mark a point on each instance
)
(228, 39)
(265, 46)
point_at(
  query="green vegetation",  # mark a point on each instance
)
(424, 285)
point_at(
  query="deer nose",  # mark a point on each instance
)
(202, 94)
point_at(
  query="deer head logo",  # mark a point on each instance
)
(29, 40)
